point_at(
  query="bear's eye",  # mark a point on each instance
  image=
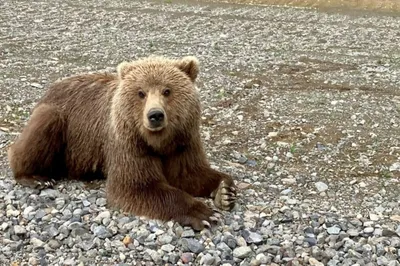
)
(141, 94)
(166, 92)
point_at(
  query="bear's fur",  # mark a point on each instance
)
(138, 128)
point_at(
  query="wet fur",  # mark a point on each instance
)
(90, 126)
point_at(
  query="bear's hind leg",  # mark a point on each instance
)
(37, 156)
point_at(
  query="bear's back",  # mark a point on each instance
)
(84, 102)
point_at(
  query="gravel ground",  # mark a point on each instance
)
(301, 107)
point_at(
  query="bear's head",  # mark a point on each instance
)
(156, 97)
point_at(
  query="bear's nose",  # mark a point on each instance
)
(155, 117)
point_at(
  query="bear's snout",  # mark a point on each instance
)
(155, 117)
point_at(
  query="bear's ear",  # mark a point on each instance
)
(123, 68)
(190, 66)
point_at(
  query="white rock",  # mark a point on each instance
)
(4, 226)
(242, 252)
(19, 230)
(28, 210)
(321, 186)
(394, 167)
(315, 262)
(373, 217)
(37, 242)
(289, 181)
(272, 134)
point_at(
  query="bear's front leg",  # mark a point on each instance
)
(189, 170)
(136, 184)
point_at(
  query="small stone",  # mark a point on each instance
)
(207, 259)
(242, 252)
(36, 85)
(353, 232)
(27, 211)
(242, 160)
(188, 233)
(272, 134)
(315, 262)
(388, 233)
(101, 202)
(395, 218)
(333, 230)
(252, 237)
(4, 226)
(368, 230)
(103, 215)
(155, 256)
(222, 246)
(168, 248)
(192, 245)
(19, 230)
(32, 261)
(289, 181)
(362, 184)
(395, 167)
(54, 244)
(165, 239)
(241, 241)
(102, 232)
(173, 258)
(262, 258)
(37, 243)
(50, 193)
(186, 257)
(394, 263)
(382, 260)
(75, 225)
(286, 191)
(373, 217)
(378, 232)
(243, 185)
(127, 240)
(312, 241)
(321, 186)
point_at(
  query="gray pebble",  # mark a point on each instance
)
(37, 243)
(102, 232)
(242, 252)
(252, 237)
(188, 233)
(19, 230)
(168, 248)
(193, 245)
(353, 232)
(368, 230)
(101, 202)
(207, 259)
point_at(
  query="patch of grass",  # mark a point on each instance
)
(386, 174)
(221, 93)
(293, 148)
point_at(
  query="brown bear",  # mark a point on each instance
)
(138, 128)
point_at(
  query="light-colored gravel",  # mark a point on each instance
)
(301, 107)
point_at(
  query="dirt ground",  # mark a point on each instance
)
(377, 6)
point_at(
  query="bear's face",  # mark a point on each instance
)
(158, 96)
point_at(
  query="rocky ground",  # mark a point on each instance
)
(301, 107)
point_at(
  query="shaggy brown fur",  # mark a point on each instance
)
(100, 125)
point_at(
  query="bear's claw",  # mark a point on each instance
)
(225, 196)
(39, 184)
